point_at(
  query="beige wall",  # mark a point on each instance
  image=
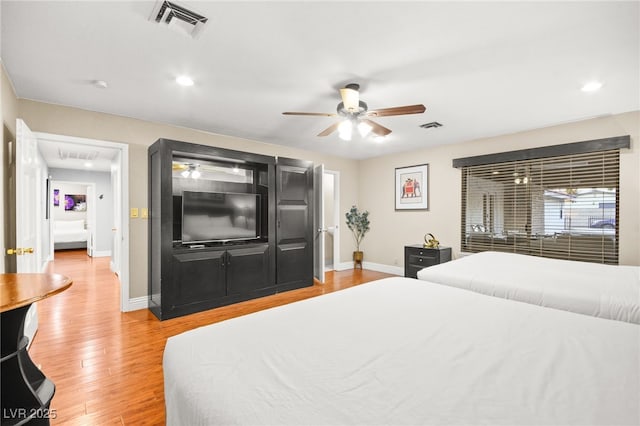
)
(391, 230)
(47, 118)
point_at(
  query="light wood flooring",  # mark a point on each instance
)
(107, 365)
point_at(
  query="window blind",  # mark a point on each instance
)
(563, 207)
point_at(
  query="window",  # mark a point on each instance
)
(559, 206)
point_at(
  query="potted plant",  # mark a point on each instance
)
(358, 223)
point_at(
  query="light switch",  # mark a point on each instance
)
(144, 213)
(134, 212)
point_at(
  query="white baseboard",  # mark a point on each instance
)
(137, 303)
(103, 253)
(343, 266)
(395, 270)
(388, 269)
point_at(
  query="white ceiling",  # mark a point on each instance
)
(481, 68)
(65, 155)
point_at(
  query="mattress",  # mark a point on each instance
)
(70, 236)
(402, 351)
(605, 291)
(66, 231)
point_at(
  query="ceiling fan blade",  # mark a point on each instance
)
(376, 128)
(403, 110)
(315, 114)
(329, 130)
(350, 97)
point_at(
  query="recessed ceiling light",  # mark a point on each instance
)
(184, 80)
(100, 84)
(592, 86)
(88, 164)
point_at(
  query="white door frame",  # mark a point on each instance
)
(336, 217)
(91, 219)
(123, 164)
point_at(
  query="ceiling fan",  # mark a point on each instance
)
(356, 115)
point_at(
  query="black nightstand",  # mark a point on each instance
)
(417, 257)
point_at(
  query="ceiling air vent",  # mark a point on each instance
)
(178, 17)
(432, 125)
(77, 154)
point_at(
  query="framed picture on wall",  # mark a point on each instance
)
(75, 202)
(56, 197)
(412, 187)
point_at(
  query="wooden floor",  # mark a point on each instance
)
(107, 365)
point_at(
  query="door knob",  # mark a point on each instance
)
(20, 251)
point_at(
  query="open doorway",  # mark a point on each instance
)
(107, 190)
(331, 195)
(78, 219)
(326, 216)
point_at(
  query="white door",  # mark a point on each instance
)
(27, 212)
(116, 230)
(318, 222)
(331, 217)
(91, 219)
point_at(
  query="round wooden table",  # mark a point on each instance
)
(26, 393)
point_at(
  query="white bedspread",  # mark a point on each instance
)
(402, 351)
(605, 291)
(66, 231)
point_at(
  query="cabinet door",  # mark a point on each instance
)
(294, 223)
(197, 277)
(247, 269)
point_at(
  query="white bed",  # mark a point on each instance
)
(605, 291)
(69, 234)
(404, 351)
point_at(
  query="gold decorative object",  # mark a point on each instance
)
(432, 242)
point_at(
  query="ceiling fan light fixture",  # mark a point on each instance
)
(185, 173)
(184, 80)
(364, 129)
(592, 86)
(351, 99)
(380, 139)
(195, 174)
(345, 130)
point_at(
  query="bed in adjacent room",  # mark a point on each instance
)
(69, 234)
(405, 351)
(605, 291)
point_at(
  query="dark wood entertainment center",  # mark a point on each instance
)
(214, 258)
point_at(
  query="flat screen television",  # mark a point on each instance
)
(219, 216)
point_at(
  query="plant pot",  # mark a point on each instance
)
(357, 259)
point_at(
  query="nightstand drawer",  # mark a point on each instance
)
(416, 257)
(432, 253)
